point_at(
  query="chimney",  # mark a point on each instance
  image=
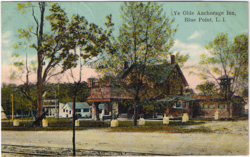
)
(90, 82)
(125, 65)
(172, 59)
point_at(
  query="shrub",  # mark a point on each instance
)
(60, 123)
(25, 123)
(94, 124)
(7, 124)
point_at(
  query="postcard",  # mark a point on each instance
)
(124, 78)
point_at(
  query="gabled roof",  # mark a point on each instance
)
(163, 72)
(125, 72)
(78, 105)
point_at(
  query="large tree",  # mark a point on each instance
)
(54, 46)
(144, 40)
(227, 59)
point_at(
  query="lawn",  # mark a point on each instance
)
(222, 119)
(172, 127)
(124, 126)
(160, 128)
(58, 119)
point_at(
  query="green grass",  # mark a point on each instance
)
(130, 123)
(201, 120)
(56, 119)
(98, 124)
(160, 128)
(124, 126)
(172, 127)
(222, 119)
(54, 125)
(235, 118)
(24, 118)
(6, 124)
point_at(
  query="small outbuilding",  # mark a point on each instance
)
(82, 109)
(3, 115)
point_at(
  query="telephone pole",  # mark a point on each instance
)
(12, 107)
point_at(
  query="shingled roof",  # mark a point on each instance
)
(175, 97)
(163, 72)
(79, 105)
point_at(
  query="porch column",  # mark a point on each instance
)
(103, 111)
(93, 111)
(96, 104)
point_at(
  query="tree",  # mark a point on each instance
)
(225, 58)
(24, 68)
(21, 104)
(144, 40)
(66, 93)
(47, 44)
(207, 88)
(54, 47)
(87, 43)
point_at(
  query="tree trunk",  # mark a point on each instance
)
(73, 113)
(39, 59)
(97, 111)
(135, 115)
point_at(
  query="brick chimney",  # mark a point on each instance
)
(125, 65)
(172, 59)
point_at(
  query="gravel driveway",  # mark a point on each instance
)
(231, 138)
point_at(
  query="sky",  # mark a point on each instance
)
(190, 37)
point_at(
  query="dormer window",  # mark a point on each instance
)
(179, 90)
(174, 74)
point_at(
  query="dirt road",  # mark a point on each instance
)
(233, 141)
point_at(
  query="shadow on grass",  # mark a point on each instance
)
(161, 128)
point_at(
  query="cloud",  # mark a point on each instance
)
(6, 38)
(194, 50)
(6, 56)
(245, 31)
(195, 35)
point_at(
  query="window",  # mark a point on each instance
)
(204, 106)
(179, 90)
(221, 106)
(78, 110)
(63, 110)
(184, 105)
(177, 105)
(168, 90)
(66, 110)
(86, 110)
(174, 74)
(210, 106)
(69, 111)
(102, 90)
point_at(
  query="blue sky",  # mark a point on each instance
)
(189, 39)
